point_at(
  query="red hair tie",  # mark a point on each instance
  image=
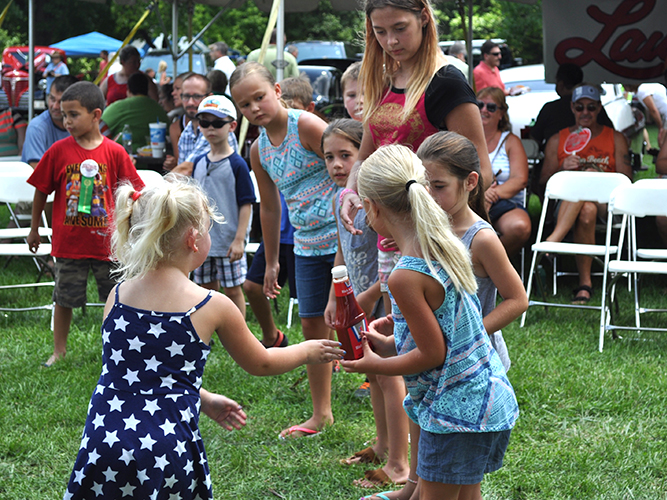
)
(135, 195)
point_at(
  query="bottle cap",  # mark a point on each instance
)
(339, 272)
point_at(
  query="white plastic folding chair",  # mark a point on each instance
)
(16, 168)
(573, 187)
(15, 189)
(644, 198)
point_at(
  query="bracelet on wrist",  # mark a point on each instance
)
(343, 193)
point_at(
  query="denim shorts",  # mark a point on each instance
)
(313, 281)
(501, 207)
(460, 457)
(72, 280)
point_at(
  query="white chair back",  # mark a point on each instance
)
(641, 199)
(584, 186)
(14, 187)
(15, 167)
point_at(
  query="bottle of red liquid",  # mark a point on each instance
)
(350, 317)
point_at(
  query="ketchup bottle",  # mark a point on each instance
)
(350, 317)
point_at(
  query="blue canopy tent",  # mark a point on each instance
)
(88, 45)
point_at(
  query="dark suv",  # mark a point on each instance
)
(15, 77)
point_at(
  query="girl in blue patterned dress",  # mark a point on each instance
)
(458, 391)
(141, 437)
(287, 158)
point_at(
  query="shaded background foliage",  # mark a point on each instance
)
(242, 29)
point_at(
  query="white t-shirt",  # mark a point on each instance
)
(458, 64)
(225, 65)
(659, 94)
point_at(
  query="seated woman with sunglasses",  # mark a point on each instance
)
(505, 196)
(605, 151)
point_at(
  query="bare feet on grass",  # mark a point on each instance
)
(409, 492)
(55, 357)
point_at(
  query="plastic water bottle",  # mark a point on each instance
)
(350, 317)
(127, 139)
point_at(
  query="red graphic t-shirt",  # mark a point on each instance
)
(82, 235)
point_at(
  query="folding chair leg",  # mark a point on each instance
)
(531, 273)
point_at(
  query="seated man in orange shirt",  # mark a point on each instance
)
(606, 151)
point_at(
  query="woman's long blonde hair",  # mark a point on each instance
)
(150, 224)
(378, 68)
(386, 177)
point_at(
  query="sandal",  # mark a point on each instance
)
(579, 298)
(379, 478)
(365, 456)
(281, 341)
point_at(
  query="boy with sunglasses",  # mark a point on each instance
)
(225, 177)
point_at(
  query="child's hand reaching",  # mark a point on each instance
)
(322, 351)
(226, 412)
(365, 364)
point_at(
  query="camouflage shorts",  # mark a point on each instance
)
(72, 280)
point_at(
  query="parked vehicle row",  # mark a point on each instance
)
(16, 77)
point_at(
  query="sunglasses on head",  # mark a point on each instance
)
(589, 107)
(491, 107)
(214, 123)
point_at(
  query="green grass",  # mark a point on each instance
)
(592, 426)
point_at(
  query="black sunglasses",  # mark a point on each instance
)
(215, 123)
(590, 107)
(491, 107)
(495, 54)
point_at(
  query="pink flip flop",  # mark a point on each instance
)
(297, 428)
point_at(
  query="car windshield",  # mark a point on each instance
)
(320, 79)
(153, 60)
(308, 50)
(534, 85)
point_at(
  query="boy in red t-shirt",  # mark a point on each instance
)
(84, 171)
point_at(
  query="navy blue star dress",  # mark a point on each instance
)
(141, 437)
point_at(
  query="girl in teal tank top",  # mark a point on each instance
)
(287, 157)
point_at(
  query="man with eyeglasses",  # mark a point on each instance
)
(192, 142)
(487, 72)
(605, 151)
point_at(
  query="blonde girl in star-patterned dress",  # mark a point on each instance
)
(141, 437)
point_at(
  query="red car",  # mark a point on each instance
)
(15, 77)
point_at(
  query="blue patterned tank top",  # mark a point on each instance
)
(470, 391)
(302, 178)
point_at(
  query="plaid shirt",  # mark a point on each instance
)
(193, 144)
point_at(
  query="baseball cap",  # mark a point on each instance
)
(217, 105)
(587, 91)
